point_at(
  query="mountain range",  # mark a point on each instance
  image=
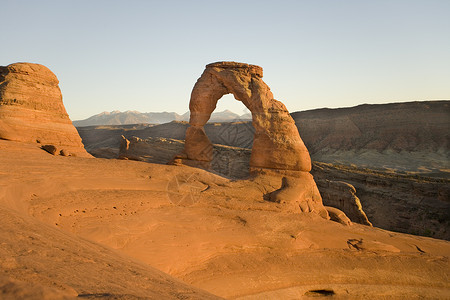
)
(134, 117)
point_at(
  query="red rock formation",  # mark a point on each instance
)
(277, 147)
(31, 108)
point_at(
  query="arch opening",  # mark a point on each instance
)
(231, 136)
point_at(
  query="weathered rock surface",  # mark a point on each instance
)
(297, 192)
(338, 215)
(276, 143)
(233, 162)
(31, 108)
(277, 147)
(119, 219)
(404, 203)
(343, 196)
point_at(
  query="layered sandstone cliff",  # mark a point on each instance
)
(408, 137)
(32, 111)
(399, 202)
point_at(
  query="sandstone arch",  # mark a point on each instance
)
(277, 147)
(277, 143)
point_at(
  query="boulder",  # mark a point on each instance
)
(32, 110)
(50, 149)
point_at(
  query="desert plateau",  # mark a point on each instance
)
(223, 210)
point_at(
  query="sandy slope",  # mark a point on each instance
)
(213, 233)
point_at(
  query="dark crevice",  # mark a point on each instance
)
(319, 293)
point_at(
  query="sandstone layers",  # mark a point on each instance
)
(277, 146)
(408, 137)
(32, 111)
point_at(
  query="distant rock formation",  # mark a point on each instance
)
(32, 111)
(408, 136)
(228, 161)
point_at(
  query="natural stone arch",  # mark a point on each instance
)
(277, 143)
(278, 150)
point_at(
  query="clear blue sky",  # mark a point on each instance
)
(147, 55)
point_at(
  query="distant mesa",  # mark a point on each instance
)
(32, 111)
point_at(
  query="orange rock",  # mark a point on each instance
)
(277, 146)
(31, 108)
(277, 143)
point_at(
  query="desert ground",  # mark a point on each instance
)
(108, 228)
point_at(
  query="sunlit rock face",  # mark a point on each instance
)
(277, 148)
(32, 110)
(276, 145)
